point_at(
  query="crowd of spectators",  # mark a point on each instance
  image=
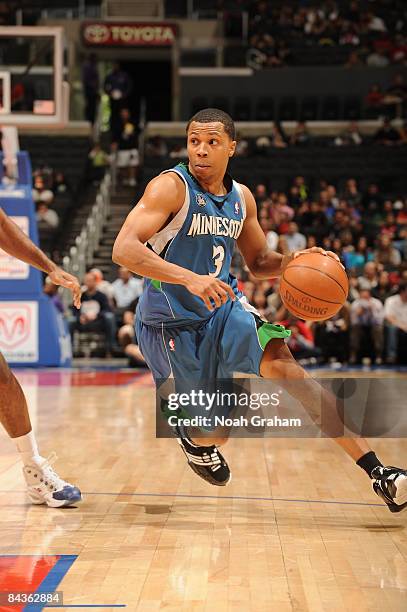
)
(373, 32)
(393, 99)
(366, 228)
(107, 310)
(387, 134)
(52, 195)
(368, 231)
(123, 126)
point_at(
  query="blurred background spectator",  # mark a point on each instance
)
(126, 289)
(95, 314)
(118, 86)
(125, 142)
(366, 315)
(91, 86)
(395, 310)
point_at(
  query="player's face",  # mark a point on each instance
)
(209, 149)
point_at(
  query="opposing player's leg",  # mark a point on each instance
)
(43, 483)
(390, 483)
(182, 355)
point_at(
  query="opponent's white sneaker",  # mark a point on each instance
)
(46, 487)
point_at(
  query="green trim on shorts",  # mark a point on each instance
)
(268, 331)
(156, 284)
(180, 413)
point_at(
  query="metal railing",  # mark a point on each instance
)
(81, 254)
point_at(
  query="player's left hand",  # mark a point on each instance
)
(60, 277)
(288, 258)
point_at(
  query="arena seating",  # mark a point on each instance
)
(61, 154)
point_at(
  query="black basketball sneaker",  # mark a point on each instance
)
(206, 461)
(390, 483)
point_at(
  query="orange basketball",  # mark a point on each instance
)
(314, 286)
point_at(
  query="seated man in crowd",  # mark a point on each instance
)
(40, 192)
(332, 336)
(366, 315)
(103, 285)
(126, 289)
(350, 136)
(94, 314)
(387, 134)
(46, 217)
(370, 278)
(301, 136)
(98, 161)
(125, 142)
(294, 239)
(301, 342)
(395, 312)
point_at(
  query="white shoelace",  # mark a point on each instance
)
(49, 475)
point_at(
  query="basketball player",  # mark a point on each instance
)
(43, 483)
(191, 319)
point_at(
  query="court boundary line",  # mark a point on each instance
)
(235, 497)
(52, 580)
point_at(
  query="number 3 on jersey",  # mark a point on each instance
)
(218, 257)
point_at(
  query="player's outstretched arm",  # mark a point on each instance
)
(17, 244)
(262, 261)
(161, 201)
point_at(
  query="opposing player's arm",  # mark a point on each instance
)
(162, 198)
(17, 244)
(263, 262)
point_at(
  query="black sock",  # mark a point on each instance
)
(368, 462)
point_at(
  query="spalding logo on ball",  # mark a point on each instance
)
(314, 286)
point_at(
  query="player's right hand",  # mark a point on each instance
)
(210, 288)
(60, 277)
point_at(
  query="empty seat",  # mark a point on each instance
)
(352, 108)
(309, 108)
(198, 104)
(198, 57)
(288, 109)
(242, 109)
(330, 108)
(221, 103)
(264, 109)
(235, 56)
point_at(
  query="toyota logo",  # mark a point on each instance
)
(97, 33)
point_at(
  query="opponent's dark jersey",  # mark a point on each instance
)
(201, 237)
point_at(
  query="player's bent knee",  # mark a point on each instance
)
(275, 356)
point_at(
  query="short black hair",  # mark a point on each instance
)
(402, 287)
(209, 115)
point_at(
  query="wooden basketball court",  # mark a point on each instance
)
(298, 528)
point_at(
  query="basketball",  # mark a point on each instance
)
(314, 286)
